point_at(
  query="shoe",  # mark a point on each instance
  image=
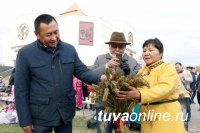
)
(193, 102)
(86, 106)
(90, 107)
(134, 126)
(198, 109)
(78, 109)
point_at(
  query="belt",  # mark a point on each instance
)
(155, 103)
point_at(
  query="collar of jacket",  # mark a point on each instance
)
(181, 71)
(44, 47)
(150, 67)
(124, 58)
(154, 65)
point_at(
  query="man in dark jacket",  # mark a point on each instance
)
(198, 90)
(193, 83)
(44, 94)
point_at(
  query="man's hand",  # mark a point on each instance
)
(28, 129)
(114, 62)
(125, 67)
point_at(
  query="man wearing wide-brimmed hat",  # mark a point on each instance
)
(116, 59)
(117, 46)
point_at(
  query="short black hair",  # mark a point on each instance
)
(190, 67)
(178, 63)
(156, 42)
(43, 18)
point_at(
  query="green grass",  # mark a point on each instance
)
(79, 126)
(10, 128)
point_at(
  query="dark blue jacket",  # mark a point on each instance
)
(44, 92)
(193, 83)
(198, 81)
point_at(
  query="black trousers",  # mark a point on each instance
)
(198, 97)
(194, 91)
(63, 128)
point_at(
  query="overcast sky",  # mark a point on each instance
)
(175, 22)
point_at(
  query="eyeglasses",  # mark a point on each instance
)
(120, 46)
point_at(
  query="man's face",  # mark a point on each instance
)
(116, 48)
(194, 70)
(49, 34)
(179, 68)
(189, 69)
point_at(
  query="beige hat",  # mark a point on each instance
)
(118, 37)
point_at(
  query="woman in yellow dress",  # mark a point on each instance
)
(160, 110)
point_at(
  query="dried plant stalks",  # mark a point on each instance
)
(107, 90)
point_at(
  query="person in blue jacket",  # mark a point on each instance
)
(44, 94)
(198, 91)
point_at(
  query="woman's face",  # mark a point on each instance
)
(151, 54)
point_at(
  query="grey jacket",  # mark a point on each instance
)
(101, 60)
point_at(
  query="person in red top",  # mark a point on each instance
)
(77, 84)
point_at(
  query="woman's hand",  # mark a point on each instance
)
(133, 93)
(104, 77)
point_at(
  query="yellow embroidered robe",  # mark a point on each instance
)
(164, 84)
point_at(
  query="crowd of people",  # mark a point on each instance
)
(51, 82)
